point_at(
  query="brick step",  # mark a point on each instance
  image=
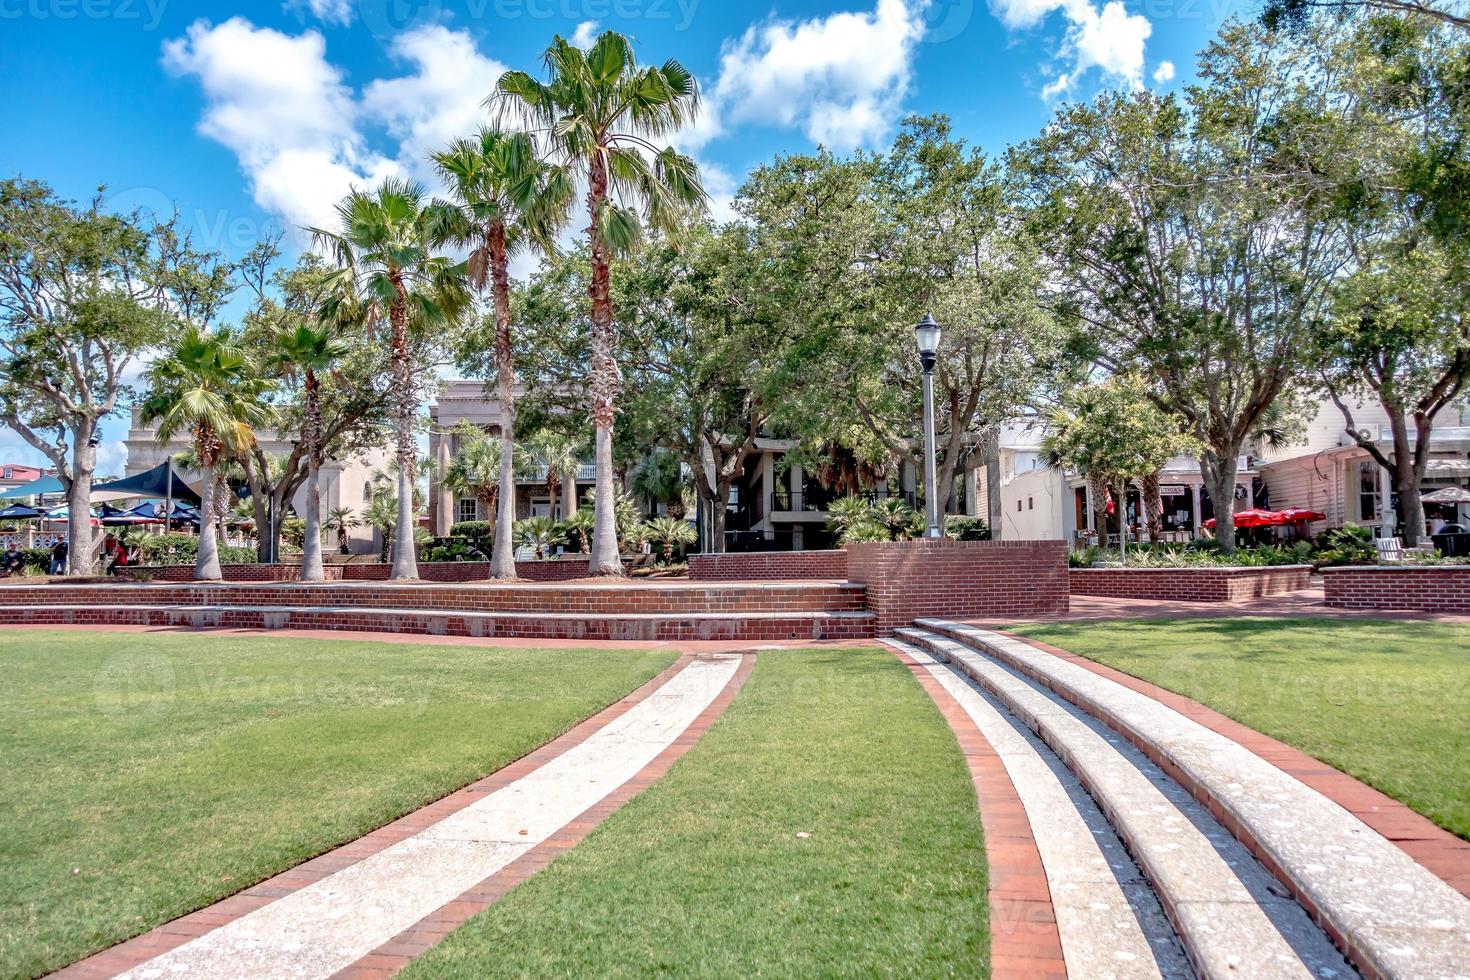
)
(1218, 897)
(841, 625)
(1391, 915)
(683, 598)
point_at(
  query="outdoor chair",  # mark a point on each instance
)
(1390, 550)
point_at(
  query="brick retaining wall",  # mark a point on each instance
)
(1189, 584)
(549, 570)
(1427, 588)
(910, 579)
(755, 565)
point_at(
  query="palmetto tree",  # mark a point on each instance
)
(206, 385)
(560, 456)
(660, 478)
(538, 534)
(669, 533)
(388, 265)
(475, 470)
(600, 113)
(341, 520)
(306, 351)
(508, 198)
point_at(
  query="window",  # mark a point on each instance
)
(1018, 506)
(367, 492)
(1370, 507)
(469, 510)
(1030, 503)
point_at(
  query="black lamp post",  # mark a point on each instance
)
(927, 334)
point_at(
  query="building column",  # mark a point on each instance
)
(1385, 497)
(443, 499)
(1194, 489)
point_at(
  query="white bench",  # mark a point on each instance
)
(1390, 550)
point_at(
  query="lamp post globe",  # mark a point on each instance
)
(927, 334)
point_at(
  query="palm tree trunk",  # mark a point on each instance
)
(503, 559)
(605, 382)
(311, 548)
(568, 495)
(206, 568)
(405, 565)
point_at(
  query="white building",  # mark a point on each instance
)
(344, 483)
(1323, 470)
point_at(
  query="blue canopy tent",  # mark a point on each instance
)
(153, 511)
(163, 482)
(20, 512)
(45, 484)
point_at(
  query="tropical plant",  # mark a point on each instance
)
(382, 516)
(341, 520)
(626, 513)
(508, 198)
(559, 456)
(660, 479)
(601, 111)
(581, 524)
(670, 533)
(205, 385)
(387, 259)
(307, 351)
(474, 470)
(538, 534)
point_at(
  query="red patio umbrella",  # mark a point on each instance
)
(1300, 515)
(1253, 517)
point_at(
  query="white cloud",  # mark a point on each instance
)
(841, 78)
(1164, 72)
(1109, 39)
(327, 11)
(443, 99)
(275, 101)
(585, 34)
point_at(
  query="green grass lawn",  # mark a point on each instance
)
(147, 775)
(704, 874)
(1388, 702)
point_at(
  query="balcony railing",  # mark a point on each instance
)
(818, 502)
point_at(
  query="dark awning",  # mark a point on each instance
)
(153, 484)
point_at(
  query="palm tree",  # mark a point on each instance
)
(581, 524)
(305, 351)
(669, 533)
(537, 533)
(340, 520)
(387, 261)
(206, 385)
(560, 456)
(600, 111)
(475, 469)
(382, 516)
(660, 479)
(508, 197)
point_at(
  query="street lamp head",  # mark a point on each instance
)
(927, 334)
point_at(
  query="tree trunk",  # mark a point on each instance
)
(568, 495)
(405, 564)
(311, 547)
(1097, 488)
(605, 381)
(503, 559)
(79, 536)
(1153, 507)
(1219, 477)
(206, 568)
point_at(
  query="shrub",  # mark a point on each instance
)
(477, 534)
(963, 528)
(1346, 545)
(183, 549)
(453, 549)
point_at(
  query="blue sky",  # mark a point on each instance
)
(252, 116)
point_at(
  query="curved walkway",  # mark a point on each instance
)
(1259, 870)
(368, 907)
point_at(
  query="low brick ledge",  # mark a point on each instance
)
(645, 627)
(1197, 584)
(1420, 588)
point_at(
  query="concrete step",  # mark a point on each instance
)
(1108, 918)
(541, 625)
(596, 598)
(1389, 914)
(1231, 915)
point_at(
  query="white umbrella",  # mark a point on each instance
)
(1449, 495)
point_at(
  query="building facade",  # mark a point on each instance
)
(345, 483)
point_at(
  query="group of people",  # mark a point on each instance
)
(115, 556)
